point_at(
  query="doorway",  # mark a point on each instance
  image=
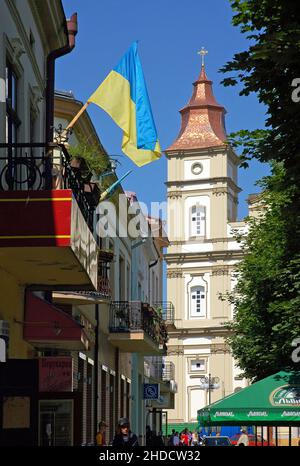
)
(56, 423)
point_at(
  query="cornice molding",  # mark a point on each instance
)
(220, 179)
(217, 331)
(202, 241)
(203, 256)
(211, 151)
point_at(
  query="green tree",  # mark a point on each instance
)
(266, 297)
(268, 68)
(267, 316)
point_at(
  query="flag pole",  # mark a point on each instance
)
(63, 136)
(76, 117)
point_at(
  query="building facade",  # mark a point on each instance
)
(43, 206)
(202, 195)
(77, 315)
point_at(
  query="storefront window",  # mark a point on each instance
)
(56, 423)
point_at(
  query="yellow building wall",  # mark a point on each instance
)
(12, 310)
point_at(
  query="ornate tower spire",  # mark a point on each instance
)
(202, 119)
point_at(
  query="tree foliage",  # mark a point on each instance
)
(266, 297)
(268, 68)
(267, 316)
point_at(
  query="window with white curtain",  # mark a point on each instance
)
(197, 223)
(197, 301)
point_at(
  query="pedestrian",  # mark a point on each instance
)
(243, 441)
(100, 436)
(176, 439)
(170, 441)
(184, 438)
(194, 438)
(159, 441)
(124, 437)
(149, 437)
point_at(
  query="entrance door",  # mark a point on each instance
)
(56, 423)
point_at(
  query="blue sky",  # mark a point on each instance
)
(170, 32)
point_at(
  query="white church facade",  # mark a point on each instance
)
(202, 192)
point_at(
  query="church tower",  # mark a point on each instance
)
(202, 195)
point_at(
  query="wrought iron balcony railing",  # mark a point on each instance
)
(167, 311)
(130, 316)
(162, 370)
(37, 166)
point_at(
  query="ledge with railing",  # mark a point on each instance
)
(166, 310)
(39, 166)
(162, 370)
(135, 316)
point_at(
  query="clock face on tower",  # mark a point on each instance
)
(197, 168)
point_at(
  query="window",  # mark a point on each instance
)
(197, 365)
(122, 290)
(197, 168)
(128, 283)
(32, 124)
(197, 220)
(139, 291)
(32, 41)
(12, 120)
(197, 305)
(153, 294)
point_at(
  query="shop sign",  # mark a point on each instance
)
(56, 374)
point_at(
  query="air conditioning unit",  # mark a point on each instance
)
(4, 328)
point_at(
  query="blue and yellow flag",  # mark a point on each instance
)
(123, 95)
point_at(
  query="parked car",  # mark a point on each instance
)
(215, 441)
(260, 441)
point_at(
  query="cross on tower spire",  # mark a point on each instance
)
(202, 52)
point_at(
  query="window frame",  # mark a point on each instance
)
(11, 88)
(198, 228)
(193, 313)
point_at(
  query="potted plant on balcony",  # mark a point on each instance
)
(93, 156)
(89, 161)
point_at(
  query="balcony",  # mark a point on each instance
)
(46, 239)
(48, 327)
(167, 311)
(163, 371)
(103, 293)
(136, 328)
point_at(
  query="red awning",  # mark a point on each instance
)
(49, 327)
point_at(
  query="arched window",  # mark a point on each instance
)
(197, 222)
(197, 302)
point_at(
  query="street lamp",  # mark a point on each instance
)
(209, 383)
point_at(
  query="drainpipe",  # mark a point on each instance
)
(71, 31)
(96, 370)
(153, 264)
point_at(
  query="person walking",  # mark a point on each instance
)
(170, 441)
(194, 438)
(100, 436)
(243, 441)
(124, 437)
(176, 439)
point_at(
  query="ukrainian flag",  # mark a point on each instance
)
(123, 95)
